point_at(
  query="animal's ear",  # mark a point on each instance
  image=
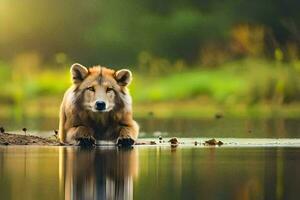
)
(123, 77)
(78, 73)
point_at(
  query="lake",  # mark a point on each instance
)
(149, 173)
(262, 168)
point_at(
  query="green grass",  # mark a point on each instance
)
(246, 81)
(198, 91)
(219, 85)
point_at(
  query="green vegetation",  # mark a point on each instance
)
(246, 81)
(205, 56)
(115, 32)
(238, 87)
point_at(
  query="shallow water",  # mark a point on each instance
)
(149, 172)
(261, 168)
(183, 127)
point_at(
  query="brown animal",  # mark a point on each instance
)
(97, 106)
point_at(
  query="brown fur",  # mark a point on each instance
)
(78, 115)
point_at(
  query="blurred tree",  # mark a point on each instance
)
(114, 32)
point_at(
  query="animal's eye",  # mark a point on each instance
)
(109, 89)
(92, 89)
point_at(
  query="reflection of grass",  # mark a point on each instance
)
(253, 83)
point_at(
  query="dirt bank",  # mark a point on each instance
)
(16, 139)
(19, 139)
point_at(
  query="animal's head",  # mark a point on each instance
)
(101, 89)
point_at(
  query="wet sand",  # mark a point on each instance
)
(18, 139)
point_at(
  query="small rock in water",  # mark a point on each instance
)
(213, 142)
(196, 143)
(160, 139)
(140, 143)
(173, 141)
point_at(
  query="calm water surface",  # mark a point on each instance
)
(184, 127)
(149, 173)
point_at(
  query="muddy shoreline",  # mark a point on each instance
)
(26, 139)
(17, 139)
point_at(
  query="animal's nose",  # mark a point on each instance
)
(100, 105)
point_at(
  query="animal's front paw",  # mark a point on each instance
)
(125, 141)
(84, 136)
(86, 141)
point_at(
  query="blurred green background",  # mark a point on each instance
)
(193, 58)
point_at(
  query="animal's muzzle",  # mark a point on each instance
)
(100, 105)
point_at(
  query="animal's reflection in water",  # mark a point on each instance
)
(101, 173)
